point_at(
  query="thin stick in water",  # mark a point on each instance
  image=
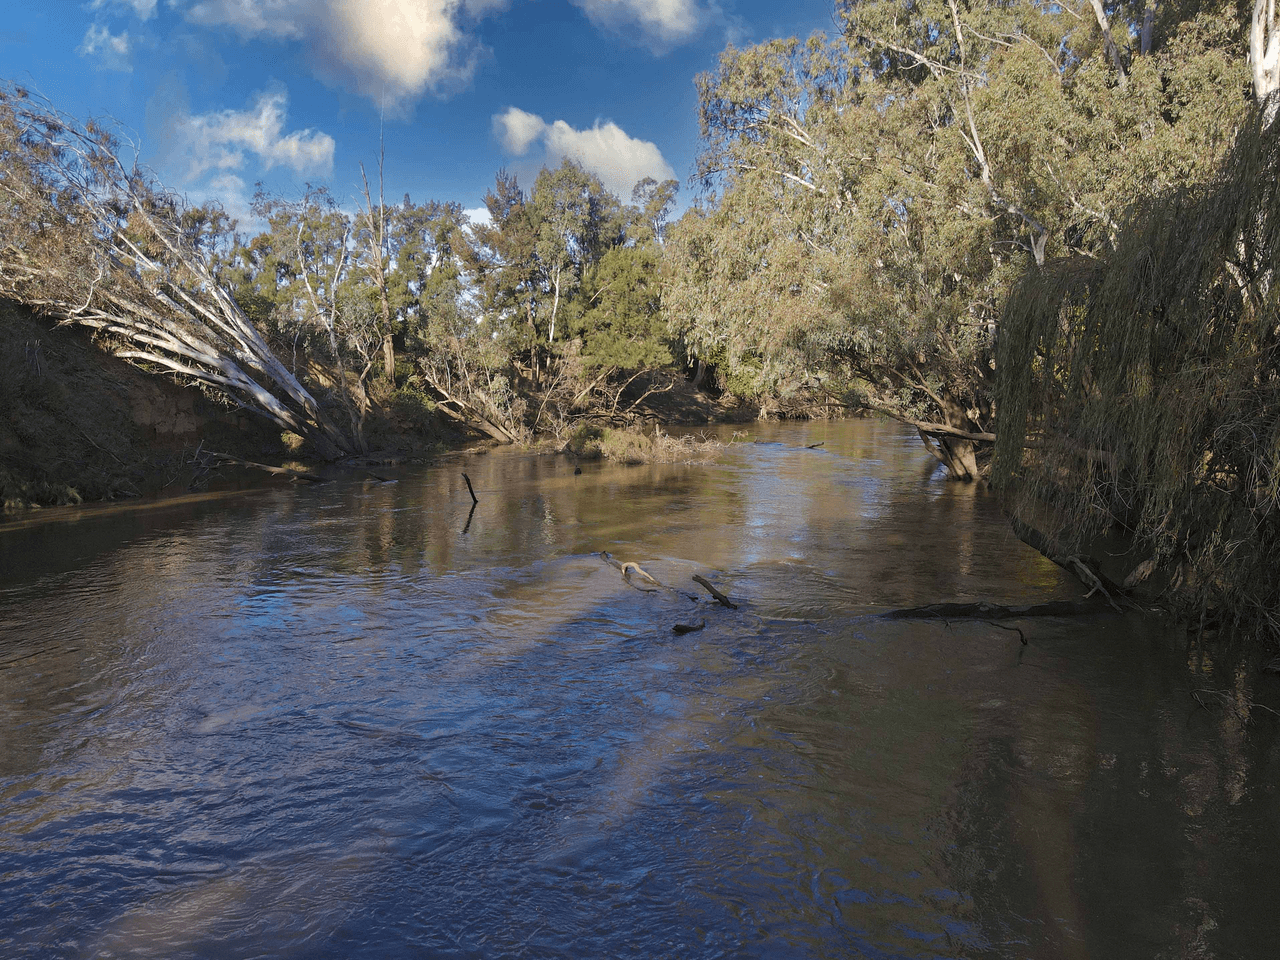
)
(471, 490)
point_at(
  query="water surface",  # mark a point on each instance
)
(353, 720)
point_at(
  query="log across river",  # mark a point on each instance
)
(362, 720)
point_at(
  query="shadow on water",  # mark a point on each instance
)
(361, 721)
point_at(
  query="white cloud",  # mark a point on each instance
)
(478, 215)
(664, 23)
(218, 141)
(112, 51)
(516, 129)
(391, 48)
(620, 161)
(145, 9)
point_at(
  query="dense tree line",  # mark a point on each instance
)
(867, 202)
(326, 317)
(871, 198)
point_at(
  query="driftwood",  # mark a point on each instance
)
(815, 446)
(628, 568)
(623, 568)
(683, 628)
(720, 597)
(215, 457)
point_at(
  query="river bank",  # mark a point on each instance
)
(81, 426)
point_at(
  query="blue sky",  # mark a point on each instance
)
(224, 93)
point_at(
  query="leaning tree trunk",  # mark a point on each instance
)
(1264, 56)
(93, 243)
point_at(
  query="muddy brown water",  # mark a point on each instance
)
(345, 722)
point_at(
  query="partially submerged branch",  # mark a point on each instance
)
(720, 597)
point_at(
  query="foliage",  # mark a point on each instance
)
(1143, 388)
(877, 194)
(569, 276)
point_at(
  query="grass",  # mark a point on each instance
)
(591, 442)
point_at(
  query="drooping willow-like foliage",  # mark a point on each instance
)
(1143, 388)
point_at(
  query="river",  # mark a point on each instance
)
(353, 721)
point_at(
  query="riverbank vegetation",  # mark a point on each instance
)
(1043, 229)
(1143, 391)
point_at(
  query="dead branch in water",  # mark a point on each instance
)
(214, 458)
(1085, 571)
(720, 597)
(628, 567)
(471, 490)
(623, 568)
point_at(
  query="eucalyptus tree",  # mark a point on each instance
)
(576, 272)
(92, 239)
(877, 194)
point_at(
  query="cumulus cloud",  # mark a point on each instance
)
(219, 141)
(663, 23)
(112, 51)
(145, 9)
(516, 129)
(620, 161)
(391, 48)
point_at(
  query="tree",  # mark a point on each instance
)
(877, 195)
(1140, 389)
(92, 241)
(571, 259)
(373, 241)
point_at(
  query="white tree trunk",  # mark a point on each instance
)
(1264, 56)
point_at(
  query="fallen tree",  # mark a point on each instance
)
(92, 240)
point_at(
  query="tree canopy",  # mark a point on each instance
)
(869, 200)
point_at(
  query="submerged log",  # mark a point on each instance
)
(994, 611)
(682, 628)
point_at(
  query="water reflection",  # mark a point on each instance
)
(342, 722)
